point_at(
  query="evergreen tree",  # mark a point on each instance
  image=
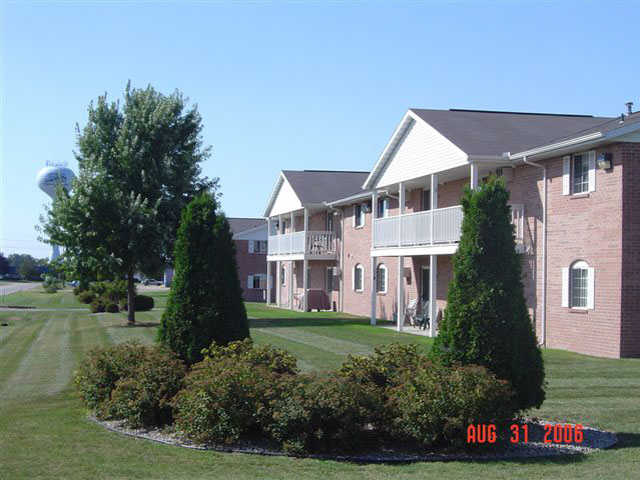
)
(486, 321)
(205, 303)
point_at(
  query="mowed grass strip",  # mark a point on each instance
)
(16, 347)
(46, 367)
(115, 325)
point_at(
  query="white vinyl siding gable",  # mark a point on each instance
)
(286, 200)
(422, 151)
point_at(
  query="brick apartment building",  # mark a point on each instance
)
(372, 243)
(250, 238)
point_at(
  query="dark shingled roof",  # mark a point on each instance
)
(479, 132)
(243, 224)
(317, 186)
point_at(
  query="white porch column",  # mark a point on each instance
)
(291, 276)
(268, 300)
(433, 292)
(473, 181)
(401, 202)
(305, 279)
(278, 283)
(433, 192)
(374, 201)
(293, 229)
(400, 313)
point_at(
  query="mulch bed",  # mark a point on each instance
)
(594, 440)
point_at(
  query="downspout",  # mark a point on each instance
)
(544, 247)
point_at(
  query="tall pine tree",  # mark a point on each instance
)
(486, 321)
(205, 303)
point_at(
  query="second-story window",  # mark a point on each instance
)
(580, 173)
(383, 208)
(330, 221)
(358, 215)
(257, 246)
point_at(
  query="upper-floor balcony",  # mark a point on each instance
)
(436, 231)
(310, 244)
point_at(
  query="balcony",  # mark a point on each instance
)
(319, 245)
(438, 228)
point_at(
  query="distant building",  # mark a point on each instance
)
(250, 237)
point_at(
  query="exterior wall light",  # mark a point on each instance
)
(605, 161)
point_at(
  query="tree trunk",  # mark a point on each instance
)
(131, 300)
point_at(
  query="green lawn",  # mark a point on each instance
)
(44, 432)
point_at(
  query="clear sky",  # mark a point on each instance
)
(297, 85)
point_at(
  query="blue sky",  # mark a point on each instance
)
(294, 85)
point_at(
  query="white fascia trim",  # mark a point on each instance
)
(274, 194)
(415, 251)
(559, 145)
(347, 200)
(404, 124)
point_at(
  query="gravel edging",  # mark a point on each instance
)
(594, 440)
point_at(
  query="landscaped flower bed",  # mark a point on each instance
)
(243, 394)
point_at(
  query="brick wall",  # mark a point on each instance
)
(249, 264)
(629, 154)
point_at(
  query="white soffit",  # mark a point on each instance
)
(421, 150)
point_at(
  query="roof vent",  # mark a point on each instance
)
(629, 108)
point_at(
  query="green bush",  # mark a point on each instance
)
(112, 308)
(97, 305)
(319, 414)
(434, 406)
(274, 359)
(86, 296)
(78, 290)
(144, 399)
(486, 321)
(130, 381)
(224, 399)
(142, 303)
(205, 303)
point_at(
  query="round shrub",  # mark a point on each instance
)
(274, 359)
(224, 399)
(144, 399)
(142, 303)
(434, 406)
(97, 305)
(319, 414)
(86, 296)
(112, 307)
(130, 381)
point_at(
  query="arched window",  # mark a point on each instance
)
(358, 278)
(578, 285)
(381, 278)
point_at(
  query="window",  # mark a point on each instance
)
(330, 279)
(578, 286)
(257, 281)
(257, 246)
(580, 173)
(383, 208)
(381, 279)
(358, 215)
(283, 276)
(330, 221)
(426, 200)
(358, 278)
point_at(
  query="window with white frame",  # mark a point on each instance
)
(283, 276)
(257, 246)
(257, 281)
(330, 273)
(579, 173)
(358, 215)
(381, 278)
(578, 286)
(358, 278)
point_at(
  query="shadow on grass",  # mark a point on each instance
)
(627, 440)
(307, 322)
(136, 325)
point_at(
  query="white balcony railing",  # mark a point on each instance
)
(319, 244)
(431, 227)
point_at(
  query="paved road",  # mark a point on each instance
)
(13, 287)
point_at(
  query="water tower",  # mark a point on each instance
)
(48, 179)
